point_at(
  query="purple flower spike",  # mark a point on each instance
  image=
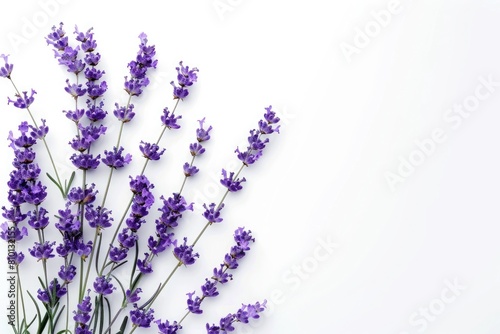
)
(221, 276)
(15, 258)
(190, 170)
(115, 158)
(38, 221)
(67, 273)
(250, 311)
(209, 289)
(151, 151)
(184, 253)
(212, 214)
(95, 112)
(194, 305)
(196, 149)
(23, 102)
(118, 254)
(133, 297)
(127, 238)
(185, 76)
(57, 38)
(169, 119)
(179, 92)
(10, 234)
(124, 114)
(85, 161)
(42, 251)
(201, 133)
(230, 183)
(6, 70)
(95, 90)
(82, 315)
(141, 317)
(74, 90)
(167, 328)
(144, 266)
(103, 286)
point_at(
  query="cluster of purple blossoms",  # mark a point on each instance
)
(184, 254)
(243, 315)
(171, 213)
(82, 316)
(139, 67)
(167, 327)
(6, 69)
(142, 201)
(52, 294)
(103, 285)
(151, 151)
(255, 143)
(69, 225)
(141, 317)
(70, 58)
(242, 239)
(24, 187)
(196, 149)
(185, 78)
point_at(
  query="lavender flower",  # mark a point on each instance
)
(184, 253)
(124, 114)
(133, 297)
(15, 258)
(126, 238)
(42, 251)
(67, 273)
(103, 286)
(75, 90)
(82, 315)
(144, 266)
(201, 133)
(230, 183)
(115, 158)
(38, 220)
(118, 254)
(98, 217)
(78, 195)
(151, 151)
(169, 119)
(167, 328)
(185, 78)
(139, 67)
(141, 317)
(6, 70)
(189, 170)
(24, 101)
(85, 161)
(196, 149)
(242, 315)
(212, 214)
(12, 233)
(94, 111)
(194, 304)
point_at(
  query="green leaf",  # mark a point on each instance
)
(56, 183)
(123, 326)
(40, 328)
(68, 184)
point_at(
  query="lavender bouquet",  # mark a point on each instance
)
(77, 257)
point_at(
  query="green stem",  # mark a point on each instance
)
(158, 292)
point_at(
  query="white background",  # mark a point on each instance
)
(347, 122)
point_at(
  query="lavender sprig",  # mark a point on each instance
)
(242, 240)
(23, 101)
